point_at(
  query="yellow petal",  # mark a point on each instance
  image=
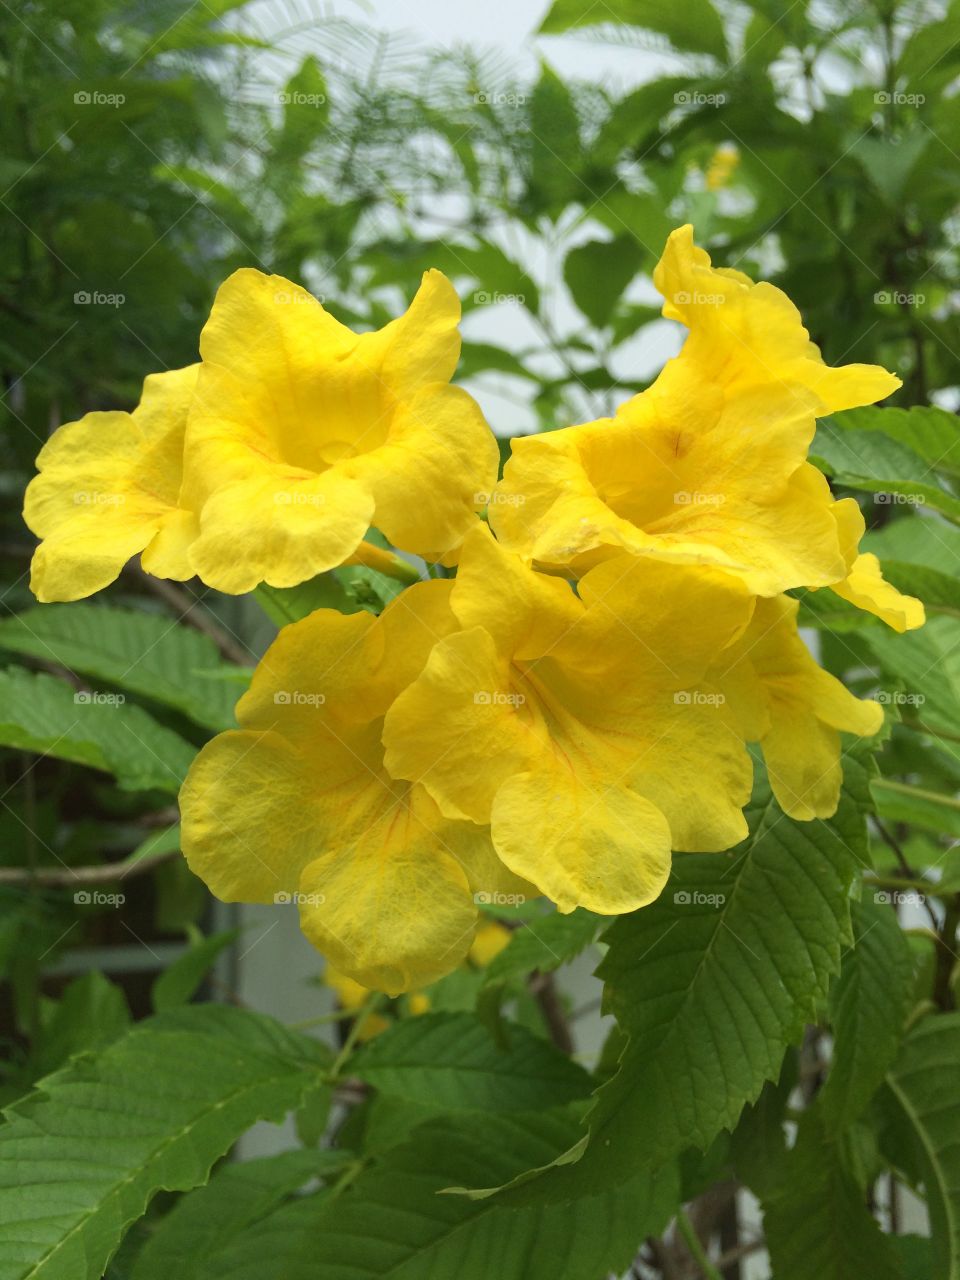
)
(464, 726)
(526, 611)
(866, 587)
(607, 850)
(394, 910)
(752, 333)
(280, 527)
(806, 707)
(108, 487)
(248, 817)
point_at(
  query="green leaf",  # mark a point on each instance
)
(903, 802)
(451, 1061)
(163, 840)
(82, 1156)
(544, 943)
(818, 1226)
(922, 558)
(694, 26)
(879, 462)
(178, 983)
(925, 1085)
(306, 110)
(394, 1223)
(91, 1013)
(931, 433)
(554, 144)
(927, 664)
(144, 653)
(712, 982)
(202, 1237)
(43, 714)
(597, 274)
(283, 605)
(869, 1005)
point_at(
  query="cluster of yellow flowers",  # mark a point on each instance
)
(571, 708)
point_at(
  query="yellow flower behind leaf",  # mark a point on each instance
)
(723, 164)
(303, 434)
(351, 996)
(708, 466)
(297, 806)
(109, 487)
(489, 940)
(582, 728)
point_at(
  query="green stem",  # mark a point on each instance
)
(384, 562)
(905, 789)
(692, 1240)
(363, 1013)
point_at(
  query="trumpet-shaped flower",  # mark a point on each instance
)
(108, 488)
(297, 806)
(779, 696)
(582, 728)
(708, 465)
(303, 434)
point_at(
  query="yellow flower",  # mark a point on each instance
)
(708, 465)
(269, 461)
(108, 488)
(351, 996)
(779, 696)
(489, 940)
(581, 727)
(303, 434)
(723, 164)
(297, 802)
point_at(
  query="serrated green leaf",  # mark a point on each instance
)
(43, 714)
(712, 982)
(879, 462)
(931, 433)
(82, 1156)
(452, 1061)
(925, 1084)
(818, 1226)
(922, 558)
(91, 1013)
(394, 1223)
(142, 653)
(544, 943)
(202, 1237)
(869, 1004)
(927, 664)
